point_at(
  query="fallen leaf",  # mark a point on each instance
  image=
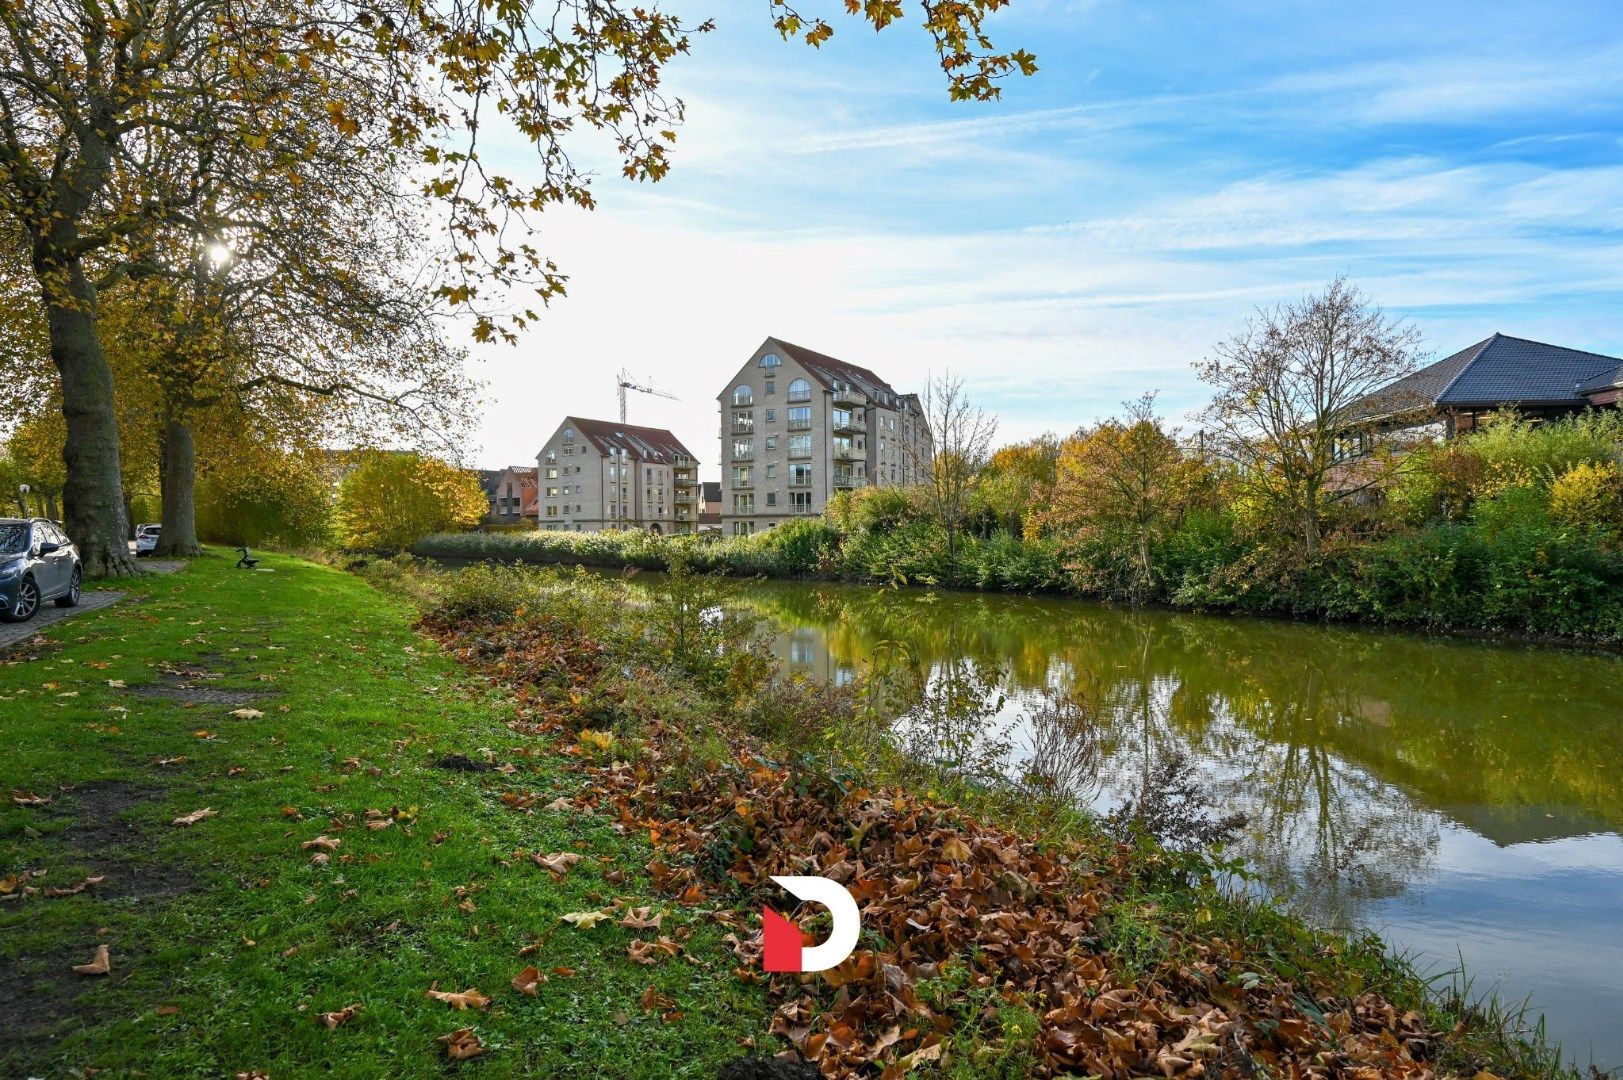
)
(167, 1010)
(528, 980)
(195, 816)
(558, 863)
(585, 920)
(324, 842)
(28, 798)
(100, 964)
(639, 919)
(116, 684)
(467, 999)
(462, 1044)
(333, 1019)
(247, 714)
(559, 805)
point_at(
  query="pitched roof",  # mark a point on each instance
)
(1606, 380)
(712, 491)
(639, 443)
(1500, 370)
(833, 373)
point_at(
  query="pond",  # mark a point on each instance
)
(1463, 799)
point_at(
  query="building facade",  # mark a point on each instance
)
(597, 474)
(511, 493)
(798, 426)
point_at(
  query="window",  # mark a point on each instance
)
(552, 457)
(743, 448)
(741, 476)
(743, 395)
(771, 415)
(800, 475)
(770, 360)
(552, 511)
(743, 422)
(743, 528)
(800, 390)
(800, 446)
(800, 502)
(552, 474)
(744, 504)
(772, 498)
(771, 470)
(770, 385)
(800, 418)
(771, 442)
(552, 493)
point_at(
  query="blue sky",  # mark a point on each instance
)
(1171, 167)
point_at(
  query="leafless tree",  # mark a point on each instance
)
(950, 458)
(1292, 391)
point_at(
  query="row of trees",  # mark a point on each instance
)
(255, 216)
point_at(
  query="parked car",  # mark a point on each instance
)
(146, 539)
(37, 563)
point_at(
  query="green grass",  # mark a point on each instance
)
(233, 926)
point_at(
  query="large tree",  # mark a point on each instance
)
(114, 113)
(1287, 400)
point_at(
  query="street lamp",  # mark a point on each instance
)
(22, 498)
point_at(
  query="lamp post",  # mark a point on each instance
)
(22, 498)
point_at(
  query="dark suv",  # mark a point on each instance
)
(37, 563)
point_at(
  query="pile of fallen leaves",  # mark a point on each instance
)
(958, 917)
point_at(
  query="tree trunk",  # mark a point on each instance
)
(178, 483)
(93, 497)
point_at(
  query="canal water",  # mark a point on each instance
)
(1461, 798)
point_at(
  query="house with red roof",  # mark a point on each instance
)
(599, 474)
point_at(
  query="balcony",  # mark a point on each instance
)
(744, 427)
(684, 515)
(798, 397)
(799, 425)
(850, 398)
(743, 482)
(846, 452)
(849, 421)
(682, 498)
(848, 478)
(685, 478)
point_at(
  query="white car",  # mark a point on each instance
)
(146, 539)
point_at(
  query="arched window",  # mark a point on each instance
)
(800, 390)
(770, 360)
(743, 395)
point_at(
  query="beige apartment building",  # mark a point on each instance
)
(597, 474)
(798, 426)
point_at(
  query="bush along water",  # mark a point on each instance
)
(1517, 530)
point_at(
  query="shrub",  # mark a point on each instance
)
(1589, 497)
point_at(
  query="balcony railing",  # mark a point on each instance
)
(743, 427)
(800, 425)
(684, 461)
(849, 422)
(846, 478)
(682, 497)
(684, 515)
(744, 455)
(850, 397)
(846, 452)
(743, 482)
(797, 397)
(683, 478)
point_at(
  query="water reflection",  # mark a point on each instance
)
(1424, 787)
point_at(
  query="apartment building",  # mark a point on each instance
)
(798, 426)
(511, 493)
(597, 474)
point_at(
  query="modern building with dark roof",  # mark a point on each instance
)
(1500, 372)
(597, 474)
(799, 426)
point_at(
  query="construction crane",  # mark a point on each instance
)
(626, 384)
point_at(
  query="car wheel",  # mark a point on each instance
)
(71, 597)
(27, 603)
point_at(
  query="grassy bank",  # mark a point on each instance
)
(228, 939)
(462, 766)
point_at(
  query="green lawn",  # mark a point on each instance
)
(227, 941)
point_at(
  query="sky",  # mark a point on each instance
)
(1172, 167)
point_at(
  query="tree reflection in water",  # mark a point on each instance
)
(1347, 750)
